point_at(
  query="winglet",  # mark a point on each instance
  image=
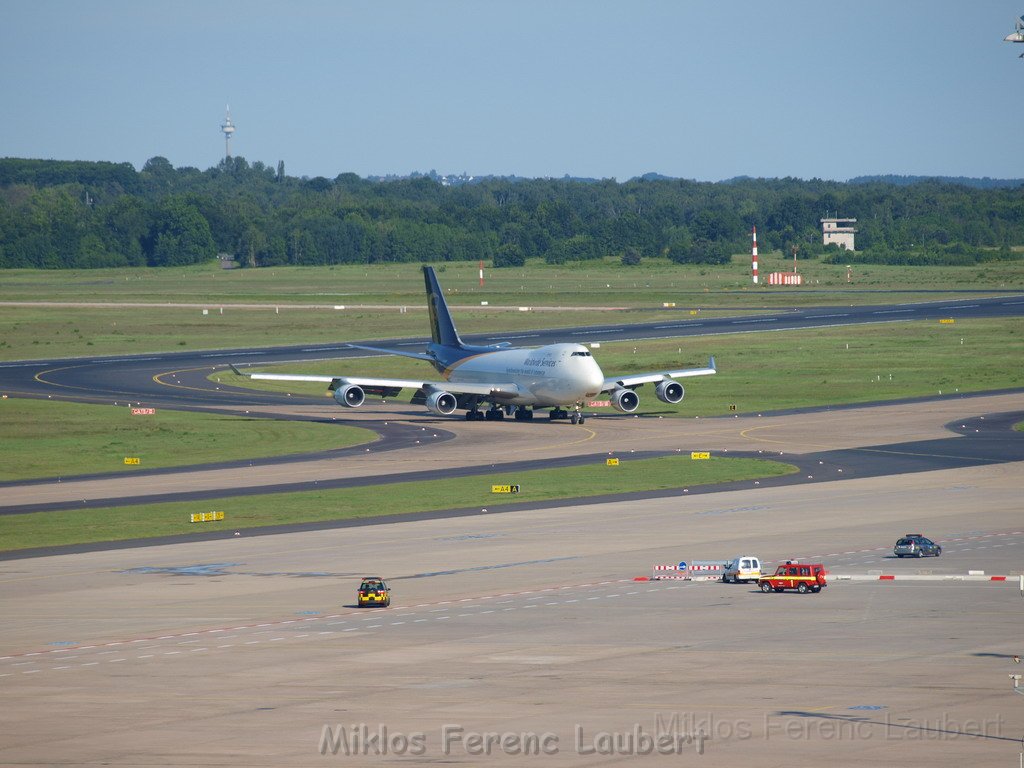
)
(237, 372)
(711, 363)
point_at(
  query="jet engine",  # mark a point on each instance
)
(625, 400)
(669, 391)
(442, 403)
(349, 396)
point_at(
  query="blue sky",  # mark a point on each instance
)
(701, 89)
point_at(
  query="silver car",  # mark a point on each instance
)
(916, 545)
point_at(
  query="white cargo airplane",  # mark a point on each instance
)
(514, 380)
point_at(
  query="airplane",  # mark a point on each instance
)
(1017, 36)
(511, 380)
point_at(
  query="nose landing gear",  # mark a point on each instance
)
(576, 417)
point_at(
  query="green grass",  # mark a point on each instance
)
(43, 529)
(45, 438)
(37, 331)
(773, 371)
(603, 282)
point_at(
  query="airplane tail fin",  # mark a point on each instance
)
(442, 329)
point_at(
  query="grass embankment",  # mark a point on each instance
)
(774, 371)
(43, 529)
(44, 438)
(37, 332)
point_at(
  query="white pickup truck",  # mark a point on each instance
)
(742, 569)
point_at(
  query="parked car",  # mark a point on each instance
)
(916, 545)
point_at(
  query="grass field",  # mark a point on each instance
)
(46, 438)
(62, 331)
(772, 371)
(42, 529)
(601, 283)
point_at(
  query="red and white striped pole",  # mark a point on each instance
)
(753, 255)
(481, 274)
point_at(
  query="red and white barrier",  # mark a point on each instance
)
(700, 570)
(753, 254)
(785, 278)
(669, 572)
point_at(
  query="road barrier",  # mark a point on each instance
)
(696, 570)
(917, 577)
(669, 572)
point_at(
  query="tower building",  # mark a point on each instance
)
(228, 128)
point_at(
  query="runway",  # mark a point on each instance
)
(527, 627)
(178, 379)
(240, 651)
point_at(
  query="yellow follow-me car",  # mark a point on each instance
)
(374, 591)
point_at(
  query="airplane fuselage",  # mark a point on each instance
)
(553, 375)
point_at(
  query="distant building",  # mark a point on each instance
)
(839, 232)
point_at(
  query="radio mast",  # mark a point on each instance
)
(228, 128)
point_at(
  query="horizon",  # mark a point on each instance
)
(433, 173)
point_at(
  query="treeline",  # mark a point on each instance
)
(56, 214)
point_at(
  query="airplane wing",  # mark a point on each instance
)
(636, 379)
(390, 387)
(422, 355)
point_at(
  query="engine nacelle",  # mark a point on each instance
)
(625, 400)
(442, 403)
(349, 396)
(669, 391)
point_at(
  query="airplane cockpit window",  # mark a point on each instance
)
(581, 354)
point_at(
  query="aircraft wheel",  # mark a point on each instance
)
(575, 418)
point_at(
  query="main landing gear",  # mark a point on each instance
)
(521, 413)
(494, 413)
(524, 414)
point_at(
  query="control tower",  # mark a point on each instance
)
(228, 128)
(838, 231)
